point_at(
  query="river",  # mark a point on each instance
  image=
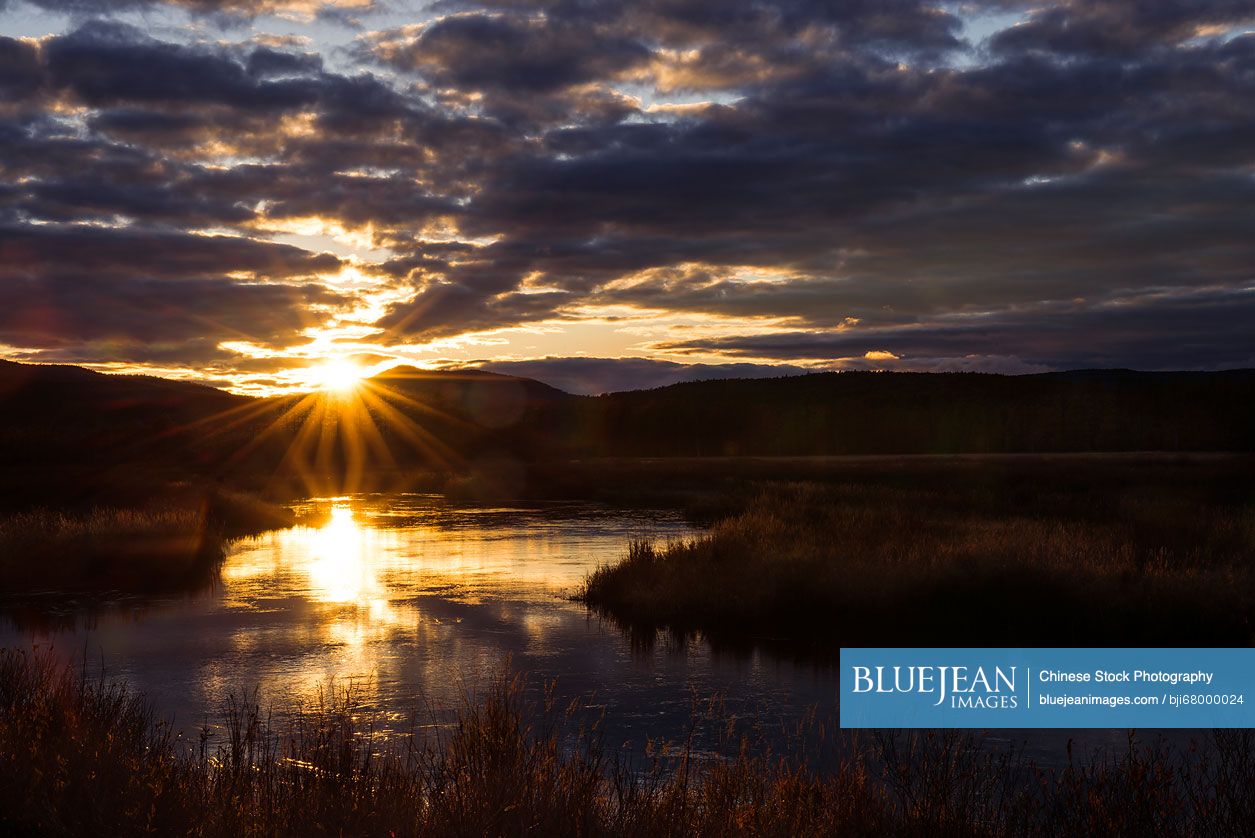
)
(415, 604)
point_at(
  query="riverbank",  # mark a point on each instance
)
(1034, 559)
(84, 756)
(169, 542)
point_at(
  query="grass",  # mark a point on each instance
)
(173, 543)
(86, 757)
(811, 566)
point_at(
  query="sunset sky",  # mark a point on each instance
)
(614, 195)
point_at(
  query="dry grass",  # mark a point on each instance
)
(126, 549)
(173, 544)
(814, 567)
(84, 757)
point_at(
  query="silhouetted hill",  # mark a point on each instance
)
(930, 413)
(53, 414)
(454, 421)
(488, 398)
(405, 418)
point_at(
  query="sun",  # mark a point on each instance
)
(338, 376)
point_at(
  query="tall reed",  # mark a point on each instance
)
(812, 567)
(84, 756)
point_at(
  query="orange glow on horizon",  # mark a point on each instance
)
(348, 427)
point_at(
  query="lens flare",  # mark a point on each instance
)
(337, 376)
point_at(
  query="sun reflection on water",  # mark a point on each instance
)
(341, 561)
(374, 556)
(338, 561)
(337, 568)
(408, 597)
(405, 589)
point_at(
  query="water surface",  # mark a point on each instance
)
(417, 602)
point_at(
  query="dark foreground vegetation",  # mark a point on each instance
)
(1002, 553)
(171, 542)
(85, 757)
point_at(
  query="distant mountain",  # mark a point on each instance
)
(67, 414)
(932, 413)
(451, 421)
(491, 399)
(407, 417)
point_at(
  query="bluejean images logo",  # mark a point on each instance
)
(1060, 688)
(959, 687)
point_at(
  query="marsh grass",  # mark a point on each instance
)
(811, 567)
(127, 549)
(84, 756)
(176, 542)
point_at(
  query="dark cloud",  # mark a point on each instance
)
(1120, 27)
(491, 54)
(1075, 191)
(135, 296)
(1208, 329)
(20, 73)
(144, 126)
(522, 55)
(105, 63)
(156, 109)
(908, 25)
(128, 319)
(31, 252)
(594, 376)
(226, 8)
(264, 62)
(885, 194)
(471, 305)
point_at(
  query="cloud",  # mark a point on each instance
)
(20, 73)
(1120, 27)
(225, 8)
(810, 24)
(888, 193)
(522, 55)
(149, 320)
(135, 296)
(158, 112)
(47, 250)
(104, 63)
(856, 177)
(1205, 325)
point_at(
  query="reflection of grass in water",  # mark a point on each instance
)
(161, 546)
(816, 566)
(85, 757)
